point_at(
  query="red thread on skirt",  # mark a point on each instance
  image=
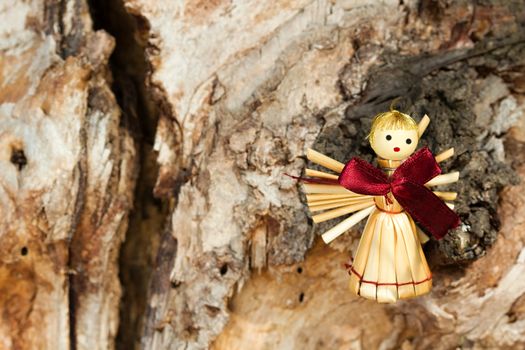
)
(348, 264)
(352, 270)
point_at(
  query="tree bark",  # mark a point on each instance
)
(302, 74)
(202, 108)
(67, 179)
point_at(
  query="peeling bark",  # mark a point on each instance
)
(68, 172)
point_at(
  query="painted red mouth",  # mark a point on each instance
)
(397, 149)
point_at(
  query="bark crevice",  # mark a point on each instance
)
(140, 114)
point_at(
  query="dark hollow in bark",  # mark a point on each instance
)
(442, 87)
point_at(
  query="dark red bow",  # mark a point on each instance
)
(407, 184)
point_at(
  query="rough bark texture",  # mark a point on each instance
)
(471, 107)
(303, 74)
(66, 181)
(218, 99)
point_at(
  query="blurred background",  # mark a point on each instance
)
(142, 151)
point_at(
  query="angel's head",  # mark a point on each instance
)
(393, 135)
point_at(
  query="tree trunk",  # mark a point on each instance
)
(67, 179)
(186, 132)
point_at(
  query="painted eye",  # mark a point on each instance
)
(388, 137)
(409, 141)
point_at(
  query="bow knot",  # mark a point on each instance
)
(407, 185)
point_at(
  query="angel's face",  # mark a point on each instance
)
(394, 144)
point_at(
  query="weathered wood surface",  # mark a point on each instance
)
(237, 113)
(242, 89)
(66, 180)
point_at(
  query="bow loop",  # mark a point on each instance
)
(361, 177)
(407, 185)
(420, 168)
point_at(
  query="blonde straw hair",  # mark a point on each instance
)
(392, 120)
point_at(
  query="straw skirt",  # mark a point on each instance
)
(389, 263)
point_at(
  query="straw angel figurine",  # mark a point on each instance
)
(389, 263)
